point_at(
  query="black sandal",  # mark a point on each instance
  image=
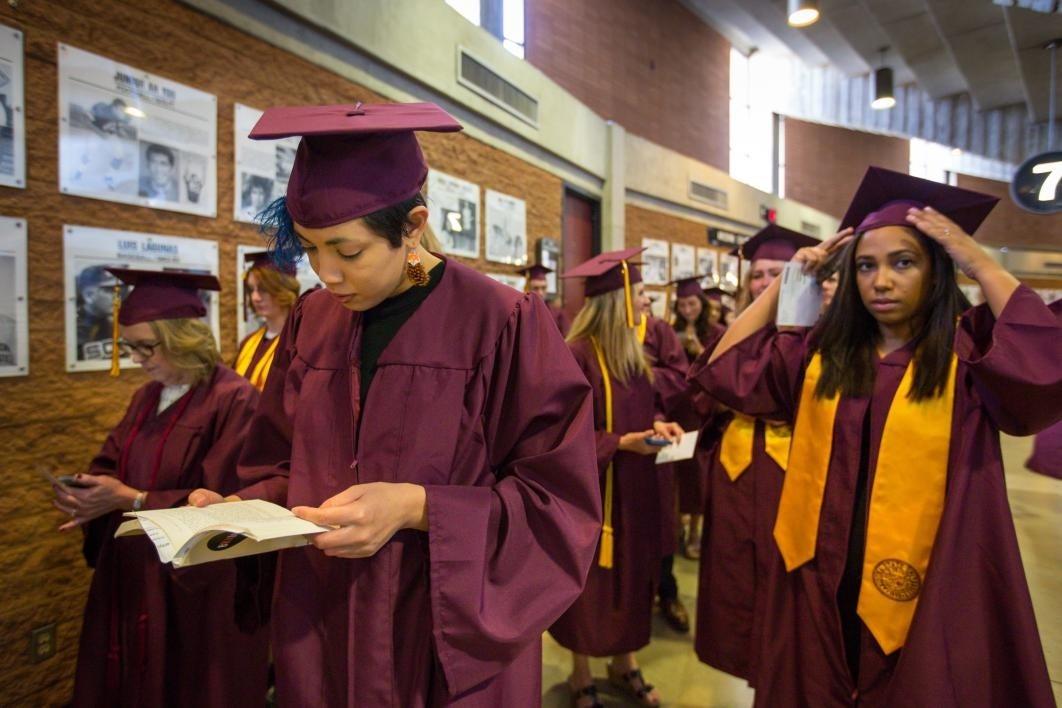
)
(628, 682)
(585, 692)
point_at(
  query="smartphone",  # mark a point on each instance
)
(657, 442)
(67, 480)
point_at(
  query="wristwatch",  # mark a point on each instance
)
(138, 503)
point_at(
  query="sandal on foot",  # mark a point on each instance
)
(581, 695)
(634, 684)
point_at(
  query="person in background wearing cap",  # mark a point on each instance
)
(695, 329)
(271, 290)
(613, 616)
(537, 284)
(717, 311)
(95, 316)
(898, 580)
(155, 635)
(434, 417)
(744, 484)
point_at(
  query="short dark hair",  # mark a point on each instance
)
(156, 149)
(276, 225)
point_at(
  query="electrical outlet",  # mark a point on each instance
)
(42, 643)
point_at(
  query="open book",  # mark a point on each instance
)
(188, 535)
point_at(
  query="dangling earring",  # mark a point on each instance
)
(414, 269)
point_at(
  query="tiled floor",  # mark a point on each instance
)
(669, 661)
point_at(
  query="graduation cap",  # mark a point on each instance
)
(884, 196)
(610, 271)
(714, 293)
(264, 259)
(535, 272)
(157, 295)
(353, 159)
(687, 287)
(773, 242)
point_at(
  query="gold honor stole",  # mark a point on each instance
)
(605, 557)
(261, 369)
(906, 501)
(735, 449)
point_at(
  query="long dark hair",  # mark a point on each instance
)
(274, 222)
(700, 325)
(848, 335)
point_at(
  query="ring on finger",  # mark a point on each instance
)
(947, 232)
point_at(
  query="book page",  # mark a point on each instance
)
(682, 450)
(800, 299)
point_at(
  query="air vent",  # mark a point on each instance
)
(473, 74)
(811, 229)
(1042, 264)
(707, 194)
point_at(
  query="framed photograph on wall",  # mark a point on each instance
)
(728, 271)
(12, 111)
(654, 261)
(708, 263)
(453, 212)
(136, 138)
(89, 288)
(683, 261)
(517, 282)
(506, 228)
(14, 316)
(262, 166)
(548, 252)
(246, 322)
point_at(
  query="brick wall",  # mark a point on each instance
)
(61, 419)
(1010, 225)
(824, 164)
(650, 65)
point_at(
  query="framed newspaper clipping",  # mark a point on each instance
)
(262, 166)
(12, 112)
(453, 212)
(14, 323)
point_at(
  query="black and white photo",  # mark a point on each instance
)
(453, 212)
(505, 228)
(262, 166)
(14, 327)
(12, 114)
(655, 261)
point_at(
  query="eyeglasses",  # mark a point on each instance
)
(144, 349)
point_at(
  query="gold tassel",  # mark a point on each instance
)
(605, 557)
(116, 305)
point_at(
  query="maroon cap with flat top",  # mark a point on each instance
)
(884, 196)
(715, 294)
(162, 295)
(264, 259)
(353, 159)
(604, 272)
(773, 243)
(535, 272)
(687, 287)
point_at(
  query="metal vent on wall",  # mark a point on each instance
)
(477, 76)
(811, 229)
(707, 194)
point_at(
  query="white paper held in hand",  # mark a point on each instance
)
(682, 450)
(800, 299)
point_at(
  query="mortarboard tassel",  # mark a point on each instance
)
(116, 304)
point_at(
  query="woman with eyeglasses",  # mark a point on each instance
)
(152, 634)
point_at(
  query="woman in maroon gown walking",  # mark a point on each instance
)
(152, 634)
(613, 615)
(898, 580)
(432, 415)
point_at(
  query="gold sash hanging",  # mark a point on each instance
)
(906, 500)
(605, 557)
(735, 449)
(643, 325)
(261, 369)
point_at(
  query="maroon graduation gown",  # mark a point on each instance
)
(1046, 456)
(692, 413)
(477, 399)
(973, 641)
(668, 360)
(560, 317)
(170, 633)
(614, 613)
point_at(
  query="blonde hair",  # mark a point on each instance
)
(283, 288)
(604, 317)
(430, 241)
(188, 344)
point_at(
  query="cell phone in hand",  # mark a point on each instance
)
(657, 441)
(67, 480)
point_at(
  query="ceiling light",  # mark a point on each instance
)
(883, 94)
(803, 12)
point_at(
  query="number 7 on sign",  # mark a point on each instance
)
(1050, 186)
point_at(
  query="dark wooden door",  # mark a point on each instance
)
(581, 240)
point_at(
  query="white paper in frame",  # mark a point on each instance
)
(12, 110)
(262, 167)
(505, 228)
(14, 310)
(453, 212)
(655, 266)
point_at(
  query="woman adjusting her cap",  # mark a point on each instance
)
(434, 417)
(898, 580)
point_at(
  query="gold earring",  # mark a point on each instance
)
(415, 269)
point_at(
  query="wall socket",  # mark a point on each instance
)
(42, 643)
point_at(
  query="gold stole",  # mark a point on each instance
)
(906, 500)
(735, 449)
(605, 557)
(261, 369)
(642, 327)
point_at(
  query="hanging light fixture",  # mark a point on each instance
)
(883, 93)
(803, 12)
